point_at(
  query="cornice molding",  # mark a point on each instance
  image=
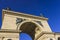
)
(23, 14)
(9, 31)
(42, 33)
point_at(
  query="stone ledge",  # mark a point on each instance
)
(9, 31)
(42, 33)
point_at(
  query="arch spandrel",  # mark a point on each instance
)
(31, 22)
(10, 17)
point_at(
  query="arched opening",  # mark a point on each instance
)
(28, 28)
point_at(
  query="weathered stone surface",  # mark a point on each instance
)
(37, 27)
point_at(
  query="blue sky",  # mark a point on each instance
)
(49, 8)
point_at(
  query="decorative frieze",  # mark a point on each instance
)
(19, 20)
(39, 22)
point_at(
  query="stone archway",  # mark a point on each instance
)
(29, 28)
